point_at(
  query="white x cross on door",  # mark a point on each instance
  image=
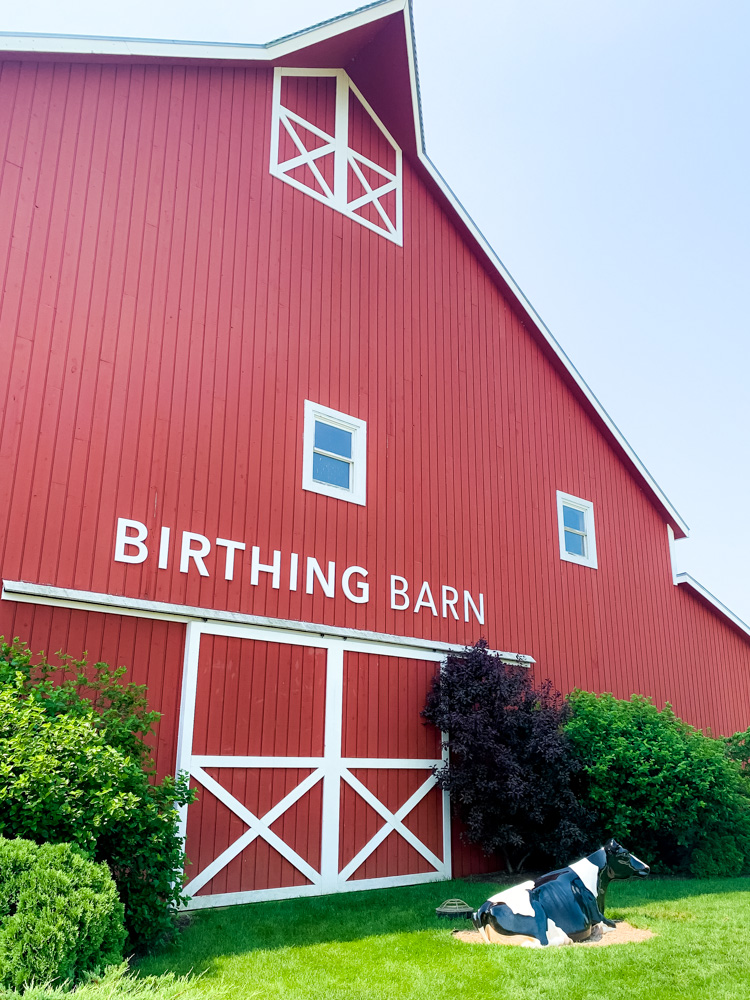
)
(313, 768)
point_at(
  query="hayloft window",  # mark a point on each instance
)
(334, 459)
(327, 142)
(575, 521)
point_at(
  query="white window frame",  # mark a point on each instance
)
(357, 491)
(338, 196)
(587, 507)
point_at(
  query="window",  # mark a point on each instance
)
(328, 142)
(575, 521)
(334, 460)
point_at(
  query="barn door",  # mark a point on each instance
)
(312, 767)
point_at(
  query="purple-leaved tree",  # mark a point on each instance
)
(510, 765)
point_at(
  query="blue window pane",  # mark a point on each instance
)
(573, 518)
(575, 544)
(331, 471)
(333, 439)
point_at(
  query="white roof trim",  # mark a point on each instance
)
(166, 48)
(69, 44)
(687, 580)
(88, 600)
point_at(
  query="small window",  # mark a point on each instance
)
(575, 520)
(334, 461)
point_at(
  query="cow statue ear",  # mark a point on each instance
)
(611, 845)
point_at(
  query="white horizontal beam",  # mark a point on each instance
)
(396, 763)
(389, 762)
(208, 902)
(294, 891)
(211, 760)
(392, 881)
(86, 600)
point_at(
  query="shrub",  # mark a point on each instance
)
(669, 792)
(738, 748)
(717, 855)
(75, 766)
(510, 767)
(60, 916)
(117, 982)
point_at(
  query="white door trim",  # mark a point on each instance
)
(332, 768)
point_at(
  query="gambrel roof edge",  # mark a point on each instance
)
(160, 48)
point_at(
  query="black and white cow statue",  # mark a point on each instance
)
(560, 907)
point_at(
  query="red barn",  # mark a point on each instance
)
(279, 430)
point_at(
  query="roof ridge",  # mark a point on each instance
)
(327, 21)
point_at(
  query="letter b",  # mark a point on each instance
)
(123, 540)
(399, 592)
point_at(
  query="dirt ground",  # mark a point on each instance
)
(623, 933)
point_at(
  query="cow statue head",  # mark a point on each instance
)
(620, 863)
(615, 862)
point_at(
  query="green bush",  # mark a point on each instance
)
(75, 767)
(717, 855)
(670, 793)
(60, 916)
(117, 982)
(738, 748)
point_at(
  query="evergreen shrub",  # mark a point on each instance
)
(75, 766)
(60, 916)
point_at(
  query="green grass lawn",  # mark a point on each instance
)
(388, 943)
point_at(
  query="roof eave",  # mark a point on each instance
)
(686, 580)
(279, 48)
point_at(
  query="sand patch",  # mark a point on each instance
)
(623, 933)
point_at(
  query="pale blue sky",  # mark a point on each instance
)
(603, 147)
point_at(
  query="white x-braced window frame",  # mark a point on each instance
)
(357, 489)
(586, 507)
(337, 196)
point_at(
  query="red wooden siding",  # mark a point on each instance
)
(383, 697)
(151, 650)
(469, 859)
(259, 698)
(168, 306)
